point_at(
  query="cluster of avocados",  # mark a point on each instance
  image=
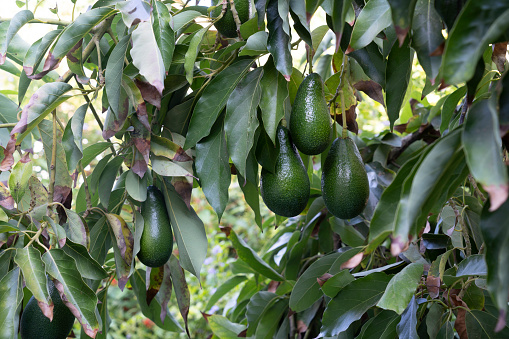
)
(345, 185)
(226, 25)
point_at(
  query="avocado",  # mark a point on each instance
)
(156, 241)
(286, 191)
(345, 185)
(226, 25)
(310, 121)
(34, 323)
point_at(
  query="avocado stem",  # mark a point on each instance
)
(343, 115)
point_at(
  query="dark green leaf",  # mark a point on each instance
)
(481, 141)
(372, 62)
(482, 325)
(36, 53)
(337, 282)
(113, 74)
(241, 119)
(223, 289)
(258, 305)
(349, 305)
(92, 151)
(17, 21)
(407, 327)
(188, 228)
(473, 265)
(300, 23)
(374, 17)
(446, 331)
(123, 247)
(72, 138)
(224, 328)
(107, 179)
(449, 107)
(387, 320)
(279, 41)
(478, 24)
(165, 37)
(8, 110)
(100, 240)
(11, 300)
(178, 279)
(401, 288)
(402, 12)
(397, 77)
(213, 100)
(269, 320)
(87, 266)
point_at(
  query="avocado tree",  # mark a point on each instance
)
(184, 106)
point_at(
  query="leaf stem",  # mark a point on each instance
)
(8, 125)
(37, 234)
(343, 115)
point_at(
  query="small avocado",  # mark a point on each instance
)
(226, 25)
(34, 323)
(156, 241)
(286, 191)
(310, 121)
(345, 185)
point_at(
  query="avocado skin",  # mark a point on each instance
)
(345, 185)
(35, 325)
(226, 25)
(156, 241)
(286, 191)
(310, 121)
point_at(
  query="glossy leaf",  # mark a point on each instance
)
(258, 305)
(477, 25)
(178, 279)
(241, 119)
(79, 298)
(164, 34)
(136, 187)
(372, 62)
(147, 56)
(11, 301)
(213, 100)
(481, 141)
(45, 99)
(349, 305)
(213, 168)
(401, 288)
(86, 265)
(17, 21)
(72, 138)
(269, 321)
(92, 151)
(113, 74)
(107, 179)
(278, 42)
(188, 229)
(473, 265)
(386, 320)
(255, 45)
(192, 53)
(449, 107)
(407, 327)
(336, 283)
(226, 287)
(249, 256)
(402, 11)
(374, 17)
(224, 328)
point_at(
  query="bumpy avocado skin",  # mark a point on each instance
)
(286, 191)
(156, 241)
(226, 25)
(35, 325)
(345, 185)
(310, 121)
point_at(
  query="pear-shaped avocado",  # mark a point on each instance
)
(156, 241)
(310, 122)
(34, 323)
(286, 191)
(345, 185)
(226, 25)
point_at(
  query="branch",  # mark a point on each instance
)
(235, 17)
(43, 21)
(408, 140)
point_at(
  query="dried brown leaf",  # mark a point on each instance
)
(353, 261)
(498, 56)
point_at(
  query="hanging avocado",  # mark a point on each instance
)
(226, 25)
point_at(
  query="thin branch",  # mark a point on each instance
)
(53, 165)
(9, 125)
(235, 17)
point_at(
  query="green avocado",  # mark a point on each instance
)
(226, 25)
(34, 323)
(156, 241)
(310, 121)
(345, 185)
(286, 191)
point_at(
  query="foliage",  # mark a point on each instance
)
(186, 108)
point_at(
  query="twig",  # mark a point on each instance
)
(235, 17)
(464, 232)
(88, 198)
(476, 188)
(9, 125)
(53, 171)
(407, 141)
(99, 64)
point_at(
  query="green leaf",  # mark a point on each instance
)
(183, 18)
(401, 288)
(336, 283)
(29, 261)
(483, 325)
(188, 229)
(93, 151)
(213, 100)
(147, 57)
(79, 298)
(481, 142)
(178, 279)
(11, 300)
(74, 32)
(8, 110)
(300, 23)
(449, 107)
(247, 254)
(307, 290)
(6, 227)
(372, 62)
(123, 247)
(473, 265)
(397, 78)
(153, 310)
(402, 11)
(349, 235)
(43, 101)
(386, 320)
(18, 180)
(100, 240)
(260, 303)
(17, 21)
(107, 179)
(223, 289)
(113, 73)
(165, 37)
(479, 23)
(269, 321)
(374, 17)
(134, 11)
(86, 265)
(496, 239)
(446, 331)
(5, 262)
(36, 53)
(349, 305)
(213, 168)
(73, 136)
(274, 93)
(192, 53)
(167, 168)
(255, 45)
(279, 41)
(407, 327)
(241, 119)
(224, 328)
(136, 187)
